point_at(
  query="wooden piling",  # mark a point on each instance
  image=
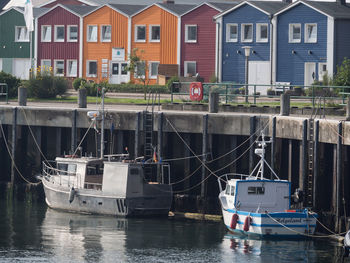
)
(13, 142)
(251, 141)
(159, 145)
(316, 163)
(339, 162)
(273, 144)
(74, 131)
(304, 158)
(204, 153)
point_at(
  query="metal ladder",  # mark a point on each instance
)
(148, 143)
(310, 168)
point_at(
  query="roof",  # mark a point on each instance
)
(3, 3)
(332, 9)
(178, 9)
(223, 6)
(36, 11)
(127, 9)
(80, 9)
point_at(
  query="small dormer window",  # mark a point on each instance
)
(256, 190)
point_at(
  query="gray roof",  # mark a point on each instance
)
(178, 9)
(270, 7)
(224, 6)
(3, 3)
(128, 9)
(36, 11)
(332, 9)
(80, 9)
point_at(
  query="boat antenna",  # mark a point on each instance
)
(102, 121)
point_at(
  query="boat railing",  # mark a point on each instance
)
(223, 179)
(50, 172)
(117, 157)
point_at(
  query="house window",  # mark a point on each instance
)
(59, 33)
(21, 34)
(261, 33)
(191, 33)
(140, 33)
(310, 33)
(72, 68)
(294, 33)
(231, 32)
(92, 33)
(154, 32)
(106, 33)
(59, 67)
(91, 70)
(46, 64)
(153, 69)
(190, 68)
(72, 33)
(140, 69)
(45, 33)
(247, 33)
(322, 70)
(124, 69)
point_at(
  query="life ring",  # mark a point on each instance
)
(247, 222)
(234, 221)
(196, 91)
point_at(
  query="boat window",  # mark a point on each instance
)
(232, 190)
(62, 168)
(72, 169)
(227, 191)
(94, 169)
(134, 171)
(256, 190)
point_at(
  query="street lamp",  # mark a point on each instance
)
(246, 53)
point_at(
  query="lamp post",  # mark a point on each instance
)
(246, 53)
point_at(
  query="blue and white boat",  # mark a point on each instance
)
(256, 206)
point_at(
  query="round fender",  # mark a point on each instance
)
(234, 221)
(247, 222)
(196, 91)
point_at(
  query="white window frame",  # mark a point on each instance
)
(150, 33)
(26, 34)
(76, 68)
(258, 33)
(186, 34)
(42, 62)
(55, 67)
(42, 33)
(320, 71)
(150, 69)
(186, 67)
(68, 33)
(88, 69)
(101, 33)
(55, 37)
(306, 36)
(290, 33)
(243, 39)
(136, 35)
(87, 33)
(228, 32)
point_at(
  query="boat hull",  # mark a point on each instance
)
(284, 224)
(96, 202)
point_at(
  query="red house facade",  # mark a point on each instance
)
(198, 36)
(59, 40)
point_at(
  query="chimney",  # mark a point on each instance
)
(172, 1)
(341, 2)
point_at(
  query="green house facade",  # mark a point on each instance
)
(14, 42)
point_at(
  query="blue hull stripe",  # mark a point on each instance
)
(265, 235)
(274, 215)
(277, 225)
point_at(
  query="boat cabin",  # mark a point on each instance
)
(258, 196)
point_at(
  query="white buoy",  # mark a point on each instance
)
(71, 195)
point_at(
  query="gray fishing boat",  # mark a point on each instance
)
(111, 184)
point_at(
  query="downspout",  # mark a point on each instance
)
(217, 49)
(271, 48)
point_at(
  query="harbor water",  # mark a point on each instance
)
(35, 233)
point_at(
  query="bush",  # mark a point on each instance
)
(44, 85)
(136, 88)
(342, 78)
(91, 88)
(12, 83)
(77, 83)
(213, 78)
(171, 80)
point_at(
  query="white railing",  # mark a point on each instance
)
(225, 177)
(50, 173)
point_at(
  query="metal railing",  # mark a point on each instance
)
(4, 91)
(235, 92)
(50, 172)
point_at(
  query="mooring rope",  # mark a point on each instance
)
(12, 158)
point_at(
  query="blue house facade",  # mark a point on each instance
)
(246, 24)
(312, 39)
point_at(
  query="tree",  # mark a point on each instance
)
(342, 78)
(138, 67)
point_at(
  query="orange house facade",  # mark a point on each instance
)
(107, 41)
(156, 36)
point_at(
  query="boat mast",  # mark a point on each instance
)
(102, 122)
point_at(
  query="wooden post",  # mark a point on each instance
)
(290, 160)
(204, 152)
(159, 146)
(316, 162)
(285, 104)
(137, 135)
(304, 157)
(58, 141)
(74, 131)
(233, 145)
(187, 162)
(251, 141)
(339, 173)
(13, 142)
(273, 144)
(120, 137)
